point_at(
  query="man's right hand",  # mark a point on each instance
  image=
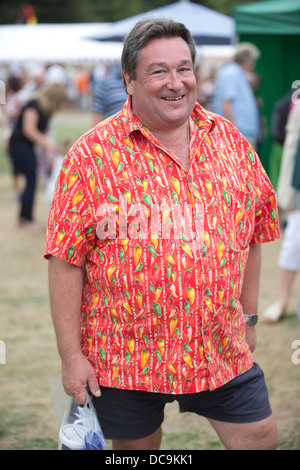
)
(78, 377)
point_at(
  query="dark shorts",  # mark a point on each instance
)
(131, 414)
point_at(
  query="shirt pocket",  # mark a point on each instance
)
(240, 219)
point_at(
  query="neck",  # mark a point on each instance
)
(177, 141)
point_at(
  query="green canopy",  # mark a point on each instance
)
(274, 27)
(269, 17)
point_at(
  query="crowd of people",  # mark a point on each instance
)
(32, 97)
(30, 106)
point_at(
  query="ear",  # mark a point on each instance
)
(129, 83)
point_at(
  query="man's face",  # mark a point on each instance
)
(164, 91)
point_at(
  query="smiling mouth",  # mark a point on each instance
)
(173, 98)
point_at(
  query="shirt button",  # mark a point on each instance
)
(190, 179)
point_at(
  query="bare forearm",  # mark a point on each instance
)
(40, 139)
(31, 131)
(250, 290)
(65, 284)
(65, 281)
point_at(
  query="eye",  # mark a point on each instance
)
(158, 72)
(185, 69)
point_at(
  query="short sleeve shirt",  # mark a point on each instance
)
(232, 84)
(110, 95)
(163, 250)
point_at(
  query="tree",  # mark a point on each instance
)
(85, 11)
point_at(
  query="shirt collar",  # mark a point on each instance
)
(201, 118)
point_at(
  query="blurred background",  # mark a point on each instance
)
(78, 44)
(85, 38)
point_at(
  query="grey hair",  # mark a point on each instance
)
(246, 51)
(146, 30)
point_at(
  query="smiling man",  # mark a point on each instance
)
(169, 86)
(150, 312)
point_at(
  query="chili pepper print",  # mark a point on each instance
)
(158, 311)
(139, 299)
(173, 324)
(115, 155)
(220, 249)
(72, 179)
(176, 185)
(191, 294)
(115, 371)
(208, 185)
(187, 358)
(137, 254)
(77, 198)
(144, 358)
(239, 215)
(98, 149)
(130, 343)
(92, 183)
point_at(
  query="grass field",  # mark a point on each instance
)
(27, 418)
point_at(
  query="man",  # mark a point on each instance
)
(151, 269)
(109, 95)
(234, 95)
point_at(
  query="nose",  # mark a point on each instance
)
(174, 81)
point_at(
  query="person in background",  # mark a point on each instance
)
(17, 96)
(109, 95)
(208, 89)
(289, 202)
(234, 97)
(31, 131)
(83, 88)
(149, 311)
(55, 73)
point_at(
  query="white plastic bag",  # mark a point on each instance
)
(80, 428)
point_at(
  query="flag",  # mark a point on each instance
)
(27, 15)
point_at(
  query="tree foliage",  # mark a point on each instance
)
(85, 11)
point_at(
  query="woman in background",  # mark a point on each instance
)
(31, 131)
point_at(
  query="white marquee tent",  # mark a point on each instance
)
(207, 26)
(56, 43)
(92, 42)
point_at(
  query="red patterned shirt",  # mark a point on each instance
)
(163, 250)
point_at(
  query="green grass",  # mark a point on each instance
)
(13, 423)
(4, 161)
(70, 132)
(192, 439)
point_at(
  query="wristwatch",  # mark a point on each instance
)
(251, 320)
